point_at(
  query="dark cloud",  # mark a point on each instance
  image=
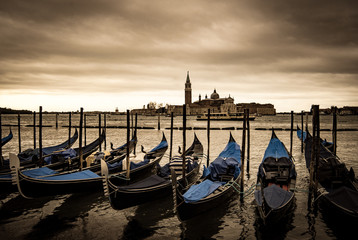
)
(124, 46)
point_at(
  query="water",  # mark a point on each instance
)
(90, 216)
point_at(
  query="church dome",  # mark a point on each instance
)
(214, 95)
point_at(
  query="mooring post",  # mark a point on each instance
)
(19, 131)
(334, 130)
(40, 137)
(158, 121)
(135, 132)
(184, 143)
(291, 134)
(85, 127)
(1, 159)
(302, 131)
(80, 142)
(99, 131)
(34, 129)
(243, 155)
(171, 135)
(248, 141)
(127, 149)
(69, 129)
(208, 135)
(56, 120)
(132, 125)
(105, 131)
(315, 151)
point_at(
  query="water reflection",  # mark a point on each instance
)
(275, 231)
(144, 222)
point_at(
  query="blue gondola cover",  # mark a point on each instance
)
(87, 174)
(197, 192)
(39, 172)
(275, 196)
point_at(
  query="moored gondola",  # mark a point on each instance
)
(45, 181)
(137, 171)
(30, 157)
(6, 139)
(276, 178)
(157, 185)
(217, 185)
(302, 134)
(338, 186)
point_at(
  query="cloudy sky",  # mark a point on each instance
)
(100, 55)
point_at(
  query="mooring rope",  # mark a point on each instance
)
(237, 188)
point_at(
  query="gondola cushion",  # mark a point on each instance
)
(201, 190)
(39, 172)
(87, 174)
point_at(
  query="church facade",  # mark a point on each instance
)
(216, 104)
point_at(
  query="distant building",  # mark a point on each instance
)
(217, 104)
(201, 106)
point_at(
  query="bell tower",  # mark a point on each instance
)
(187, 89)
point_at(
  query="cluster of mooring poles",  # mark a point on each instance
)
(245, 137)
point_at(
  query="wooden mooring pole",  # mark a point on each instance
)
(171, 135)
(302, 131)
(208, 135)
(291, 134)
(69, 129)
(40, 137)
(34, 129)
(99, 131)
(56, 120)
(105, 131)
(80, 142)
(1, 159)
(248, 142)
(135, 132)
(334, 130)
(127, 150)
(184, 144)
(243, 155)
(158, 121)
(315, 152)
(85, 127)
(19, 131)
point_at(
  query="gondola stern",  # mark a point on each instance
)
(104, 174)
(14, 167)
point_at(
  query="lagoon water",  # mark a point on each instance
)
(90, 216)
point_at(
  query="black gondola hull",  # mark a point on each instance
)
(33, 188)
(274, 216)
(122, 198)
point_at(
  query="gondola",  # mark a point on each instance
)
(276, 178)
(217, 185)
(29, 158)
(45, 181)
(137, 171)
(60, 161)
(6, 139)
(157, 185)
(338, 186)
(328, 145)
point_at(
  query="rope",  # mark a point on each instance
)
(298, 190)
(245, 193)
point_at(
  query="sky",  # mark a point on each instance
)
(102, 55)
